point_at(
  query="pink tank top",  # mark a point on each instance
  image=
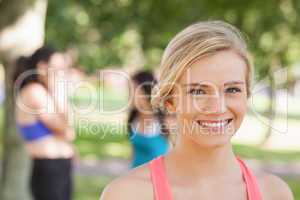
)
(162, 190)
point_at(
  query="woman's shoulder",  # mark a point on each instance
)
(135, 184)
(33, 88)
(33, 95)
(273, 187)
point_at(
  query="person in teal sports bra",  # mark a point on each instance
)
(205, 81)
(144, 125)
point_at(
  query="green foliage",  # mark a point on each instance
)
(96, 27)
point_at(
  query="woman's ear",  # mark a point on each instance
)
(170, 107)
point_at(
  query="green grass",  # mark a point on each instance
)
(89, 187)
(295, 186)
(252, 152)
(99, 144)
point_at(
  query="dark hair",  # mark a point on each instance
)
(24, 64)
(146, 80)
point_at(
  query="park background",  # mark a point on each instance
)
(126, 35)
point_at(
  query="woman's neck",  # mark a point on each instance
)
(144, 121)
(146, 116)
(191, 162)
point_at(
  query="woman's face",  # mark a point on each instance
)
(57, 62)
(210, 99)
(141, 100)
(56, 68)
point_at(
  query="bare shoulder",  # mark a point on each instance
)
(34, 89)
(273, 187)
(136, 184)
(33, 95)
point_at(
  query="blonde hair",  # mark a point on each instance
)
(194, 42)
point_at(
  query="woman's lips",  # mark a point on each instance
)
(214, 125)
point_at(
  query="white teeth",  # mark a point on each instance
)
(214, 124)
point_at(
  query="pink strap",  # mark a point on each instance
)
(162, 190)
(251, 183)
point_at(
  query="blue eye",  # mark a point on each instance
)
(233, 90)
(196, 91)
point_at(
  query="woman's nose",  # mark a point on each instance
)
(214, 104)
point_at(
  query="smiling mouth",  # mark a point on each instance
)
(217, 124)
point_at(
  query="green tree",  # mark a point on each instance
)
(25, 17)
(97, 28)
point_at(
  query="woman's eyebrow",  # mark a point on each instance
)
(235, 83)
(195, 85)
(205, 85)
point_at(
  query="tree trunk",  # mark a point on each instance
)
(15, 167)
(21, 37)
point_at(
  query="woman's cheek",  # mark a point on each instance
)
(188, 106)
(239, 110)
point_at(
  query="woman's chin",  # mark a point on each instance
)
(212, 140)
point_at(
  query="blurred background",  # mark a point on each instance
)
(107, 38)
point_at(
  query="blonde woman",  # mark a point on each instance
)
(205, 81)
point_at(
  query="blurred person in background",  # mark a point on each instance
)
(144, 125)
(42, 120)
